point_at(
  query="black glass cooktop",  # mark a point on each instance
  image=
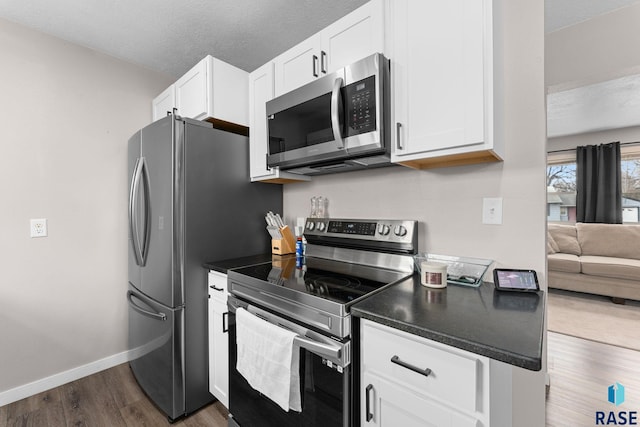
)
(330, 280)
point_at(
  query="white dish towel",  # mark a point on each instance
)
(266, 359)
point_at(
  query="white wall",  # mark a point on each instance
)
(624, 135)
(66, 114)
(596, 50)
(448, 201)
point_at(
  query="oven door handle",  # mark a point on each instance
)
(307, 339)
(321, 349)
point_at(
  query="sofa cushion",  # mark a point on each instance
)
(566, 238)
(567, 263)
(552, 246)
(620, 268)
(613, 240)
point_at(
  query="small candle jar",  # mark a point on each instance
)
(433, 274)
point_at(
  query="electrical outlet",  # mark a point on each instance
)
(39, 227)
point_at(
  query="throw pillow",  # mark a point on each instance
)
(552, 246)
(566, 238)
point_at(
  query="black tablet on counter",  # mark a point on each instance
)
(508, 279)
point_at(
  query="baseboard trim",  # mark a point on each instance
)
(56, 380)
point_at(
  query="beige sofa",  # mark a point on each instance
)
(601, 259)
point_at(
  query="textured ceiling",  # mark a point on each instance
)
(170, 36)
(564, 13)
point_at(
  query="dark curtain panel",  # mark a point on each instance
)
(599, 192)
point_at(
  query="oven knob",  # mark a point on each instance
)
(310, 225)
(321, 226)
(383, 230)
(400, 230)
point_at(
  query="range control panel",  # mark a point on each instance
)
(379, 230)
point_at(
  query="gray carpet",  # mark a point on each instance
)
(594, 317)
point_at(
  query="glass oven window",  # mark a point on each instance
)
(323, 392)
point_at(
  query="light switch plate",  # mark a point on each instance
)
(492, 210)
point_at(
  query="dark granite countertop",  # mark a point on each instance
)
(227, 264)
(505, 326)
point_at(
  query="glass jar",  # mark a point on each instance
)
(314, 207)
(323, 207)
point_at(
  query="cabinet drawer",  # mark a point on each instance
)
(455, 376)
(218, 286)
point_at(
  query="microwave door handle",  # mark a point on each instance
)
(335, 119)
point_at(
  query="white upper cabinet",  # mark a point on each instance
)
(164, 103)
(192, 99)
(212, 89)
(261, 91)
(297, 66)
(442, 82)
(351, 38)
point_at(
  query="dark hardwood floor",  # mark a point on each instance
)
(109, 398)
(580, 372)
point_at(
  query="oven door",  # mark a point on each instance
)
(325, 385)
(336, 117)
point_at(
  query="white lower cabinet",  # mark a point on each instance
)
(218, 338)
(411, 381)
(393, 404)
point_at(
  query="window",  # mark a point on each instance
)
(561, 186)
(630, 176)
(561, 191)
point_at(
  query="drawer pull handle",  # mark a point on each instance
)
(215, 288)
(368, 398)
(426, 372)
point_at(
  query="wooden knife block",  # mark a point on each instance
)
(286, 245)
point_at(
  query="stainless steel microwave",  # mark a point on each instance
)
(336, 123)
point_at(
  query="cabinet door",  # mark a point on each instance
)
(260, 91)
(442, 73)
(388, 404)
(163, 103)
(218, 338)
(192, 91)
(353, 37)
(297, 66)
(218, 286)
(219, 369)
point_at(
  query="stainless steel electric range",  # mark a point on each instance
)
(346, 260)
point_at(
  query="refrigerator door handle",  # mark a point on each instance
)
(140, 250)
(156, 315)
(133, 224)
(144, 249)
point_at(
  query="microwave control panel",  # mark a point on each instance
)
(360, 99)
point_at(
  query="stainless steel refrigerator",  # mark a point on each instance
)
(190, 201)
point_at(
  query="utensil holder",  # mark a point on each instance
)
(286, 245)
